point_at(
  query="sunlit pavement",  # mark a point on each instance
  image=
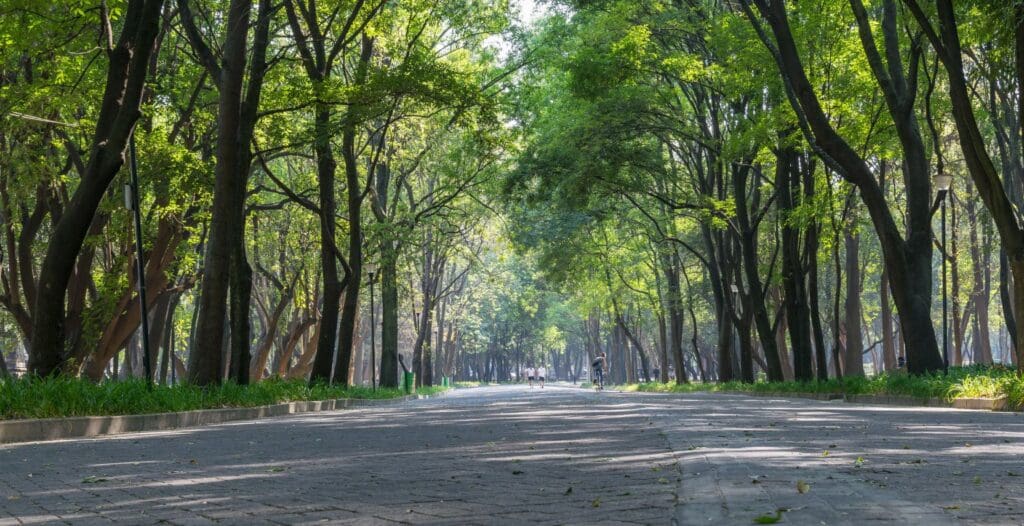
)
(559, 455)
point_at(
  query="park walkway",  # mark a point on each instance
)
(515, 455)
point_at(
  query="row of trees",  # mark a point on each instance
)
(704, 190)
(283, 147)
(750, 185)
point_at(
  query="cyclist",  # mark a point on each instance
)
(600, 365)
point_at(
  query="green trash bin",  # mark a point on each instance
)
(409, 382)
(444, 381)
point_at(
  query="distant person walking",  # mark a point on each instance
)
(600, 365)
(541, 371)
(531, 373)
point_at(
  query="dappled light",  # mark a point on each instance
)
(512, 262)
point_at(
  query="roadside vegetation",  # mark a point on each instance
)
(63, 397)
(975, 381)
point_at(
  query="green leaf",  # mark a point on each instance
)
(768, 518)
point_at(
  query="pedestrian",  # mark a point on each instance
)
(531, 372)
(600, 365)
(541, 371)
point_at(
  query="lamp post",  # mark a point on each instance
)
(371, 271)
(942, 185)
(131, 202)
(735, 326)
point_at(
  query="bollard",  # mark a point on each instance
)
(409, 382)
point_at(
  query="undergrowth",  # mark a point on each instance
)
(62, 397)
(975, 381)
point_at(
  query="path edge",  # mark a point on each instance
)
(50, 429)
(978, 404)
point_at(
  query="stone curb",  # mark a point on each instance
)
(47, 429)
(983, 404)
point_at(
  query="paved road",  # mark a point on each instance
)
(512, 455)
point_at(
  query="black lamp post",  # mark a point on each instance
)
(131, 202)
(942, 185)
(371, 271)
(735, 326)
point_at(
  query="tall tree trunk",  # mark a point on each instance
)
(908, 259)
(389, 320)
(354, 191)
(787, 184)
(888, 335)
(981, 259)
(225, 264)
(946, 42)
(333, 288)
(673, 297)
(119, 110)
(854, 363)
(754, 295)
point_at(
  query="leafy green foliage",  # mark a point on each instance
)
(976, 381)
(64, 397)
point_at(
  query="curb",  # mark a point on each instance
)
(978, 404)
(47, 429)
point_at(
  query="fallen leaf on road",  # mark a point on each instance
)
(768, 518)
(92, 479)
(802, 487)
(596, 503)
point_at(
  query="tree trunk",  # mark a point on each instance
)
(225, 265)
(119, 110)
(326, 167)
(787, 184)
(854, 362)
(353, 189)
(389, 320)
(908, 260)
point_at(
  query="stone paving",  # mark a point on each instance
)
(515, 455)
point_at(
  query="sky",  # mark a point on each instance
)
(529, 10)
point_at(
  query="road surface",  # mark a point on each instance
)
(559, 455)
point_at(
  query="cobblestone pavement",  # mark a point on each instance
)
(515, 455)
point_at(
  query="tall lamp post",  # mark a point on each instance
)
(131, 202)
(735, 326)
(371, 271)
(943, 182)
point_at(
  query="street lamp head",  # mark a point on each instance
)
(371, 269)
(943, 181)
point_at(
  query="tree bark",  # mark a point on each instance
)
(354, 192)
(908, 260)
(787, 184)
(225, 265)
(854, 360)
(119, 110)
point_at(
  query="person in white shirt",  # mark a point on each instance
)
(531, 373)
(540, 375)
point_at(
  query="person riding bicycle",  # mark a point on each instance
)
(600, 365)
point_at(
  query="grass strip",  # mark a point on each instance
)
(974, 381)
(64, 397)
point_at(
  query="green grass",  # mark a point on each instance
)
(62, 397)
(974, 381)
